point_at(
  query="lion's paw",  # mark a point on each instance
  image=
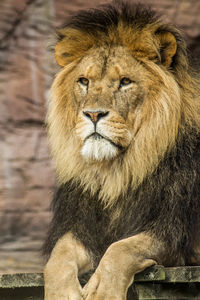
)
(58, 290)
(63, 294)
(100, 288)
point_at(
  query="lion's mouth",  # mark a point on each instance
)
(97, 136)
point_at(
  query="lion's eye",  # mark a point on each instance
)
(125, 81)
(84, 81)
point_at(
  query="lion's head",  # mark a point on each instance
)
(121, 98)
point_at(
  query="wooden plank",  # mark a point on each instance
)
(155, 273)
(158, 291)
(182, 274)
(152, 274)
(21, 280)
(24, 293)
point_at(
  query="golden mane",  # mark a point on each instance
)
(175, 112)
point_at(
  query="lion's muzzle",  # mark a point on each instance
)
(102, 133)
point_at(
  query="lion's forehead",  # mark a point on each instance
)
(113, 62)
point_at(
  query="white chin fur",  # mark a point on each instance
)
(98, 149)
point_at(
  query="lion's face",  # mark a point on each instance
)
(112, 114)
(110, 88)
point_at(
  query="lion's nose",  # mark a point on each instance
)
(95, 116)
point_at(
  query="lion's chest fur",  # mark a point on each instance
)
(166, 203)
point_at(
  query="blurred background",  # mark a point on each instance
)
(27, 68)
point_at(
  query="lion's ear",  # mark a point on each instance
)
(61, 55)
(167, 47)
(63, 51)
(72, 44)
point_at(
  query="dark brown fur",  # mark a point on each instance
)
(167, 204)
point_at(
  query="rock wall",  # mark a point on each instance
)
(27, 177)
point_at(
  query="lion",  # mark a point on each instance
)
(123, 124)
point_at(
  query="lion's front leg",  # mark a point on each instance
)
(68, 259)
(118, 266)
